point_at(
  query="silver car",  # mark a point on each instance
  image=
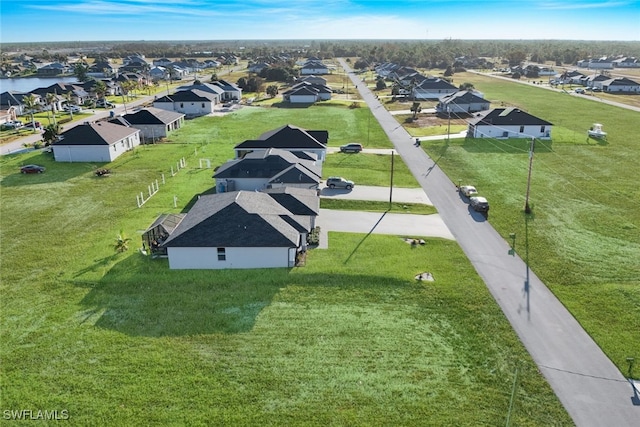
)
(339, 182)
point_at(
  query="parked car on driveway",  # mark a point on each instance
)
(103, 103)
(72, 108)
(339, 182)
(14, 124)
(352, 147)
(479, 204)
(579, 90)
(32, 169)
(468, 190)
(33, 125)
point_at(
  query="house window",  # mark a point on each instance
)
(182, 105)
(542, 129)
(203, 105)
(521, 129)
(222, 256)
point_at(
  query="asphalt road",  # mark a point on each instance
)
(588, 384)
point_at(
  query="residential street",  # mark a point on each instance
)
(588, 384)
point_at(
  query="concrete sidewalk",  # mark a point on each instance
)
(379, 222)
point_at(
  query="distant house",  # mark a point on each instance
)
(13, 102)
(314, 67)
(95, 142)
(162, 62)
(134, 65)
(314, 80)
(597, 64)
(158, 72)
(307, 93)
(154, 123)
(90, 87)
(570, 77)
(620, 85)
(257, 67)
(101, 69)
(595, 80)
(237, 230)
(463, 101)
(132, 76)
(626, 62)
(191, 103)
(216, 90)
(53, 69)
(290, 138)
(272, 168)
(433, 88)
(508, 123)
(231, 92)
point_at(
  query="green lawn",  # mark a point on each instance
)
(583, 236)
(350, 339)
(372, 206)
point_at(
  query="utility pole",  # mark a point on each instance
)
(449, 124)
(391, 184)
(527, 208)
(369, 125)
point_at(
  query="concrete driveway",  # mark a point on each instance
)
(379, 223)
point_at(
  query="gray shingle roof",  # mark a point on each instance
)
(265, 164)
(99, 133)
(235, 219)
(288, 137)
(192, 95)
(462, 97)
(153, 116)
(507, 117)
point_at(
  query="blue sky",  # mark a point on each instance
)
(85, 20)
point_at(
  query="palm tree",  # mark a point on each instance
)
(51, 132)
(122, 243)
(415, 109)
(30, 105)
(68, 96)
(51, 99)
(100, 89)
(80, 71)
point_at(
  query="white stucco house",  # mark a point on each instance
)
(191, 103)
(432, 88)
(508, 123)
(307, 93)
(313, 67)
(462, 102)
(621, 85)
(154, 123)
(237, 230)
(95, 142)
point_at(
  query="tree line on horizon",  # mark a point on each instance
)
(415, 53)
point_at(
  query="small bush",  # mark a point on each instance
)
(314, 236)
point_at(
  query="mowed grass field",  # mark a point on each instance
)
(350, 339)
(584, 233)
